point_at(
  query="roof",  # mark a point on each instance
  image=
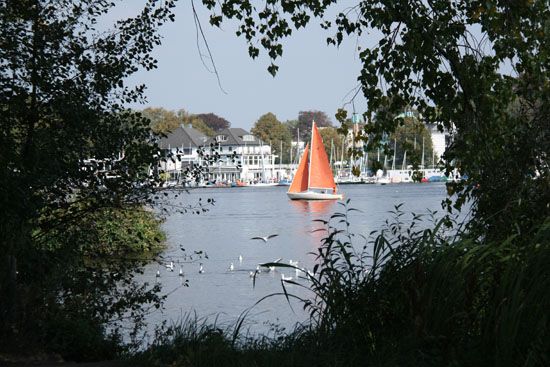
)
(234, 136)
(183, 136)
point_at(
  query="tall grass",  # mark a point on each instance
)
(412, 293)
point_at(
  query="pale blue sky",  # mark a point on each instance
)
(311, 75)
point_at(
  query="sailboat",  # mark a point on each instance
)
(314, 173)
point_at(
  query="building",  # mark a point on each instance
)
(180, 150)
(239, 156)
(242, 157)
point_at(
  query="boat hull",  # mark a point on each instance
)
(262, 184)
(313, 195)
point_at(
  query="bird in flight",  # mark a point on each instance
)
(266, 238)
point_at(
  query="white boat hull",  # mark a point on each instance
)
(313, 195)
(262, 184)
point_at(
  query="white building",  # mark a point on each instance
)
(180, 150)
(243, 157)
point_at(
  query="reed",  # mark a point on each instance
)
(412, 293)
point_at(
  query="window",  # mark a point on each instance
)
(248, 137)
(220, 138)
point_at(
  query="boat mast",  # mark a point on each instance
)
(330, 160)
(262, 156)
(342, 160)
(298, 145)
(310, 153)
(394, 151)
(422, 153)
(281, 159)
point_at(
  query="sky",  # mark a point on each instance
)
(312, 75)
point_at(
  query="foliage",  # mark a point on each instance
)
(304, 122)
(431, 297)
(162, 120)
(68, 147)
(119, 232)
(413, 137)
(272, 131)
(213, 121)
(195, 122)
(475, 68)
(330, 137)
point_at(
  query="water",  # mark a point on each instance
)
(225, 232)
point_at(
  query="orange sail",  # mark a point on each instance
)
(299, 183)
(320, 176)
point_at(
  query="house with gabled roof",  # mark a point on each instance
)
(244, 157)
(180, 150)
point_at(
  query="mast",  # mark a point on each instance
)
(330, 159)
(394, 151)
(298, 144)
(422, 153)
(262, 156)
(342, 160)
(290, 154)
(311, 151)
(281, 160)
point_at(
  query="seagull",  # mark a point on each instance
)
(158, 274)
(231, 267)
(170, 266)
(240, 259)
(181, 272)
(264, 238)
(201, 270)
(292, 263)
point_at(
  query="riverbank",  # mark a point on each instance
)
(77, 293)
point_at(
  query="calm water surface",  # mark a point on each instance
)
(224, 233)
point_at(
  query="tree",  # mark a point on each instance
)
(214, 121)
(272, 131)
(195, 122)
(67, 148)
(429, 57)
(330, 136)
(413, 137)
(162, 120)
(304, 122)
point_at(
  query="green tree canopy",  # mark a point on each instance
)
(162, 121)
(270, 130)
(413, 137)
(330, 136)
